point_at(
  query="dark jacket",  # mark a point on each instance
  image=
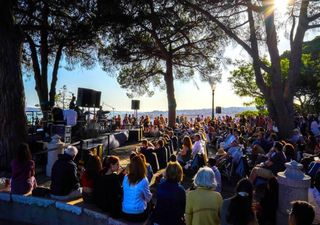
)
(171, 203)
(107, 194)
(64, 176)
(162, 157)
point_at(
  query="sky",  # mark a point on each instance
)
(188, 95)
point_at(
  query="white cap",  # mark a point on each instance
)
(71, 150)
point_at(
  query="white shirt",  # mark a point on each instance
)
(197, 148)
(70, 116)
(135, 197)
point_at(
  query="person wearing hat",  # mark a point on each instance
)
(220, 155)
(65, 183)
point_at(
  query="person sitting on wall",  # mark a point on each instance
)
(23, 171)
(65, 183)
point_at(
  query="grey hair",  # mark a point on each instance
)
(71, 150)
(205, 178)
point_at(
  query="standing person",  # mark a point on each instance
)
(65, 183)
(203, 204)
(107, 189)
(136, 192)
(23, 171)
(171, 197)
(237, 210)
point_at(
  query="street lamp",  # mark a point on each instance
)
(213, 87)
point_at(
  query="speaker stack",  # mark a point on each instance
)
(135, 104)
(88, 98)
(218, 109)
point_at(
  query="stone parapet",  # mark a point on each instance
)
(35, 210)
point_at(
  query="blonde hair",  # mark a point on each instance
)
(174, 172)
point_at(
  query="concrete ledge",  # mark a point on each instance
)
(37, 210)
(69, 208)
(29, 200)
(96, 215)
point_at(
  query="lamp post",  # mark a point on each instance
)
(213, 87)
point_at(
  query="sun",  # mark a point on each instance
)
(281, 5)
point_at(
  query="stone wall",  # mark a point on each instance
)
(36, 210)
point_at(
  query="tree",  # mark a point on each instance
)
(254, 26)
(307, 87)
(53, 29)
(12, 104)
(158, 43)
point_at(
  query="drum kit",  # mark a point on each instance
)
(100, 121)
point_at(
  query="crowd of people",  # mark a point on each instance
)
(247, 150)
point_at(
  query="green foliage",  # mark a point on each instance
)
(155, 32)
(252, 113)
(308, 86)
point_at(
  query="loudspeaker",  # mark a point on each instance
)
(135, 104)
(97, 99)
(218, 109)
(88, 97)
(85, 97)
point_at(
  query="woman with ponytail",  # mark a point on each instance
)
(237, 210)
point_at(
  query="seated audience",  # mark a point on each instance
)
(185, 154)
(23, 171)
(198, 147)
(161, 154)
(136, 192)
(170, 195)
(90, 176)
(203, 204)
(272, 166)
(302, 213)
(65, 183)
(212, 163)
(237, 210)
(107, 190)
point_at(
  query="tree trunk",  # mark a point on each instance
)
(282, 113)
(54, 79)
(12, 99)
(172, 105)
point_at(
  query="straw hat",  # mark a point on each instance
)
(221, 152)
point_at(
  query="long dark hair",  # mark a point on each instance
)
(240, 211)
(94, 166)
(108, 161)
(23, 153)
